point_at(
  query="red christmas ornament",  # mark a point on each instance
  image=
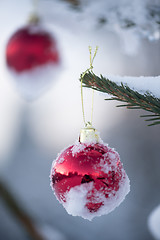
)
(33, 59)
(88, 177)
(31, 47)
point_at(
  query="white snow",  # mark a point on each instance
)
(32, 83)
(77, 147)
(76, 200)
(115, 15)
(140, 84)
(154, 222)
(113, 163)
(105, 167)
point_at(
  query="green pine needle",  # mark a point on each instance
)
(122, 93)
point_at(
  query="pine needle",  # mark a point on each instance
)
(123, 93)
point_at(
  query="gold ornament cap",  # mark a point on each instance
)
(33, 19)
(89, 135)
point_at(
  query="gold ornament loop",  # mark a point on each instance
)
(89, 69)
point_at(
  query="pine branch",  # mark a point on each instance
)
(19, 212)
(122, 93)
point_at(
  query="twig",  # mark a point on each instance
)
(19, 212)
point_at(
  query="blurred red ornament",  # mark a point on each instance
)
(30, 47)
(33, 59)
(90, 176)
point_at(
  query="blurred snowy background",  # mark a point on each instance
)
(32, 133)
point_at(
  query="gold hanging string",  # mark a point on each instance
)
(89, 69)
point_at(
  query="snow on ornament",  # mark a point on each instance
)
(33, 59)
(88, 178)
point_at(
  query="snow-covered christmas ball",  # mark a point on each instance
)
(154, 222)
(33, 59)
(88, 177)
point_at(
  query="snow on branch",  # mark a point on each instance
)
(132, 21)
(142, 93)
